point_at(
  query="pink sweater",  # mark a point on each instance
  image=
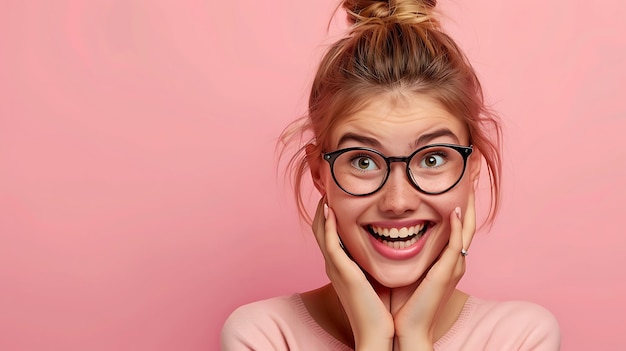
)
(283, 323)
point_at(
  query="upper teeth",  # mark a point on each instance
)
(398, 232)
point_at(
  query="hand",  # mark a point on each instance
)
(416, 319)
(371, 322)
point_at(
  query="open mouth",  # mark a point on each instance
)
(399, 238)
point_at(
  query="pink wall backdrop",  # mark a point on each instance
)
(139, 202)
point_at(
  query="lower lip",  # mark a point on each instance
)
(399, 254)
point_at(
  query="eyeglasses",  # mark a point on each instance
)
(432, 169)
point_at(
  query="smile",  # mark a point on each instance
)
(399, 238)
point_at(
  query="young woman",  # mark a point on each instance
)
(399, 133)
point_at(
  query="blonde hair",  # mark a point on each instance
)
(395, 45)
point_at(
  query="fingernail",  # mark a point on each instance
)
(325, 211)
(458, 212)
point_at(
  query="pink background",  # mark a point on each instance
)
(139, 199)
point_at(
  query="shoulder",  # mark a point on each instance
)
(275, 307)
(279, 324)
(258, 325)
(516, 325)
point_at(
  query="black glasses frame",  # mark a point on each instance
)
(465, 152)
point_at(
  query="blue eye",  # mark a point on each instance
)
(363, 163)
(433, 160)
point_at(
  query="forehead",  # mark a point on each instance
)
(397, 122)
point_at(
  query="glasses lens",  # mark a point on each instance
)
(360, 172)
(437, 168)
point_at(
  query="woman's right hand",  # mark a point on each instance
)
(367, 309)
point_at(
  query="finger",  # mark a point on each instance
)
(331, 238)
(451, 256)
(318, 223)
(469, 221)
(455, 242)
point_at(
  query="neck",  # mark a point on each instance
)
(326, 309)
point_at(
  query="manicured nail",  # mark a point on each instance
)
(325, 211)
(458, 212)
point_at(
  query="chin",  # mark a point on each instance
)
(396, 279)
(392, 272)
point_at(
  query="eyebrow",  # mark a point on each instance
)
(427, 138)
(422, 140)
(359, 139)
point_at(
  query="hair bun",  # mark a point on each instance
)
(386, 11)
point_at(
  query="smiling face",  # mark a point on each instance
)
(396, 126)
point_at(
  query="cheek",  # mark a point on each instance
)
(447, 202)
(347, 210)
(336, 199)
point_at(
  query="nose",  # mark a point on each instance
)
(398, 196)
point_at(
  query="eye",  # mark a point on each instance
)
(433, 160)
(363, 163)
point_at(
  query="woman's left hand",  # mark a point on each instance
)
(416, 316)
